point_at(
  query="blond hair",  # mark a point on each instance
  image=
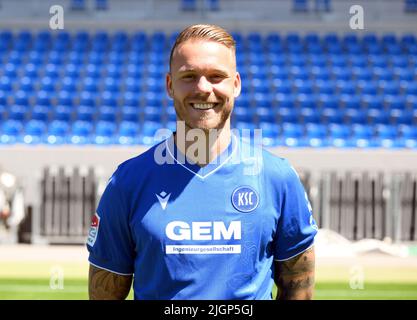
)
(204, 32)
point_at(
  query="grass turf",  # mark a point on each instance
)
(76, 289)
(32, 280)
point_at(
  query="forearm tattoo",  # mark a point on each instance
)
(105, 285)
(295, 277)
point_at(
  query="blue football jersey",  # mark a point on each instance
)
(191, 232)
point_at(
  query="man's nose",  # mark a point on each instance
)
(203, 85)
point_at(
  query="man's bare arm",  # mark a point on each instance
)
(106, 285)
(295, 277)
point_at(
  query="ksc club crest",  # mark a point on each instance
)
(245, 199)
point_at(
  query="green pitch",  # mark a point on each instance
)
(68, 281)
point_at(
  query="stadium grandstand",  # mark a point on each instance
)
(339, 102)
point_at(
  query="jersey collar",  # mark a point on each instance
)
(209, 169)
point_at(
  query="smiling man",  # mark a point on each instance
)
(204, 83)
(223, 226)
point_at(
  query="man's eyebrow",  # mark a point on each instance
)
(195, 69)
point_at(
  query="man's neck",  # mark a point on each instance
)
(202, 146)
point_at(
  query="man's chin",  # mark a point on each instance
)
(206, 127)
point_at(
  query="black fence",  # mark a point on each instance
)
(357, 205)
(68, 203)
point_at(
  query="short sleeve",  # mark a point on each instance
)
(109, 242)
(296, 227)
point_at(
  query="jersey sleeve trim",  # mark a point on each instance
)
(112, 271)
(304, 250)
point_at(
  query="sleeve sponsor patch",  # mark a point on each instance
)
(92, 234)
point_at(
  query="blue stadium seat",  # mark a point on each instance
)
(324, 87)
(310, 115)
(338, 135)
(292, 135)
(320, 73)
(404, 74)
(345, 87)
(372, 101)
(152, 113)
(106, 113)
(265, 114)
(367, 87)
(17, 112)
(242, 114)
(378, 61)
(362, 136)
(3, 98)
(57, 132)
(62, 113)
(169, 113)
(316, 135)
(281, 100)
(270, 133)
(148, 132)
(128, 133)
(6, 84)
(104, 133)
(386, 135)
(81, 132)
(389, 87)
(281, 86)
(355, 116)
(34, 131)
(358, 61)
(362, 73)
(305, 100)
(128, 113)
(85, 113)
(402, 117)
(332, 116)
(87, 98)
(289, 115)
(328, 101)
(393, 101)
(411, 89)
(408, 136)
(26, 84)
(379, 116)
(350, 101)
(337, 61)
(22, 98)
(303, 86)
(40, 113)
(10, 131)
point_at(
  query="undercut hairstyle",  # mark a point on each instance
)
(204, 32)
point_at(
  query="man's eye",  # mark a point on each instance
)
(217, 77)
(188, 77)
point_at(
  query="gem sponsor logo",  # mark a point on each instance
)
(206, 230)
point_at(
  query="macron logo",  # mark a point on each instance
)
(163, 198)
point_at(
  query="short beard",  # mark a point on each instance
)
(225, 115)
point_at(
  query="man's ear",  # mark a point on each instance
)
(168, 84)
(237, 85)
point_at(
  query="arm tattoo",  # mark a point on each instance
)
(295, 277)
(106, 285)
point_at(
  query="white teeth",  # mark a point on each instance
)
(203, 106)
